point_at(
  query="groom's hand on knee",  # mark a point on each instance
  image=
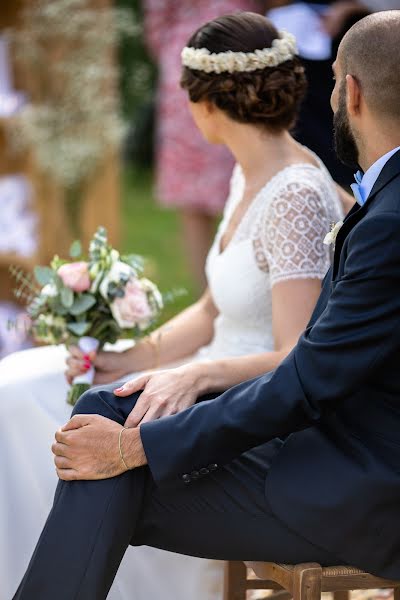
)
(93, 447)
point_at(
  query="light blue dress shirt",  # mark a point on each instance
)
(366, 181)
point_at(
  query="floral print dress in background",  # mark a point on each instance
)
(191, 174)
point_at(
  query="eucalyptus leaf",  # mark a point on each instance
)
(58, 282)
(59, 309)
(79, 329)
(67, 297)
(133, 260)
(43, 275)
(76, 249)
(82, 303)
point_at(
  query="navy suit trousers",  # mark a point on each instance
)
(223, 514)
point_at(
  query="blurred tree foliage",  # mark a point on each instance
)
(138, 83)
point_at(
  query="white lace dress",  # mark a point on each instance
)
(279, 238)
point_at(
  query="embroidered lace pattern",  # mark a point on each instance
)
(287, 222)
(279, 238)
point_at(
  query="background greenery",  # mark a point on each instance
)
(154, 232)
(147, 228)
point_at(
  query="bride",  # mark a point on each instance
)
(264, 271)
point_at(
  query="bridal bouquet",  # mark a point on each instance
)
(91, 300)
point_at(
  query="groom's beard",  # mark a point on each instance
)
(345, 143)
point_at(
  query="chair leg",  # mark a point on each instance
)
(342, 595)
(307, 582)
(396, 594)
(235, 578)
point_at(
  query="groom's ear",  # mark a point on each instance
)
(353, 96)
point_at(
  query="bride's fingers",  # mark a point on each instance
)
(154, 412)
(75, 352)
(131, 386)
(77, 366)
(138, 412)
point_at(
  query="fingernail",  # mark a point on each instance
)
(118, 389)
(87, 367)
(87, 363)
(86, 356)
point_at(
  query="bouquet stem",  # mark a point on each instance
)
(75, 392)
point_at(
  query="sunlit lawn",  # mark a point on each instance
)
(149, 230)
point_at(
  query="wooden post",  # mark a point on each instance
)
(101, 194)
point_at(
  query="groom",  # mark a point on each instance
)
(220, 483)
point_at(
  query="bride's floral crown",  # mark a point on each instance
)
(200, 59)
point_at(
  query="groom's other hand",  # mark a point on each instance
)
(88, 447)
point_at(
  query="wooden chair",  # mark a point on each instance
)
(301, 582)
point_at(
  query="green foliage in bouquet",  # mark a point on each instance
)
(93, 299)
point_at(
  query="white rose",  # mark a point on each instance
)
(150, 288)
(118, 268)
(49, 290)
(114, 255)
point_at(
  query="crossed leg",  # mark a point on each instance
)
(224, 515)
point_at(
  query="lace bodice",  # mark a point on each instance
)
(280, 237)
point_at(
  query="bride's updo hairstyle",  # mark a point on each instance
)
(268, 96)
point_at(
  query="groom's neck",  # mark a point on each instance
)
(378, 139)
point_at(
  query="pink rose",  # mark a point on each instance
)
(75, 276)
(133, 308)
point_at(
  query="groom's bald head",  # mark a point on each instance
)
(370, 52)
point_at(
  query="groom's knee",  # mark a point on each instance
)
(102, 401)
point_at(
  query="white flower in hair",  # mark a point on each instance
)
(200, 59)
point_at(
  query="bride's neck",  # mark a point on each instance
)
(252, 147)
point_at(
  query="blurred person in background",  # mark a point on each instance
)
(319, 26)
(191, 176)
(264, 274)
(341, 12)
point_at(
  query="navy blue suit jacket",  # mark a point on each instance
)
(336, 480)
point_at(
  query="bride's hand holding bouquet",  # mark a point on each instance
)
(89, 302)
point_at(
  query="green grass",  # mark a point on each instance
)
(154, 232)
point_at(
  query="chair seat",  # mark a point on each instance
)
(334, 578)
(304, 581)
(326, 571)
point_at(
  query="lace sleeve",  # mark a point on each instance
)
(289, 241)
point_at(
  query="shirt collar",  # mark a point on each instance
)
(367, 180)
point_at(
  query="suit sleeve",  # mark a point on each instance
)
(378, 5)
(358, 330)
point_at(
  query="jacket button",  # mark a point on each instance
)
(186, 478)
(204, 471)
(213, 466)
(195, 474)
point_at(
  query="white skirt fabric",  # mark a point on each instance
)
(32, 408)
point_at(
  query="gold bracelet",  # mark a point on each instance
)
(120, 448)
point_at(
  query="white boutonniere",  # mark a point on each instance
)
(330, 237)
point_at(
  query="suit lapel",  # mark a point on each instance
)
(389, 172)
(354, 217)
